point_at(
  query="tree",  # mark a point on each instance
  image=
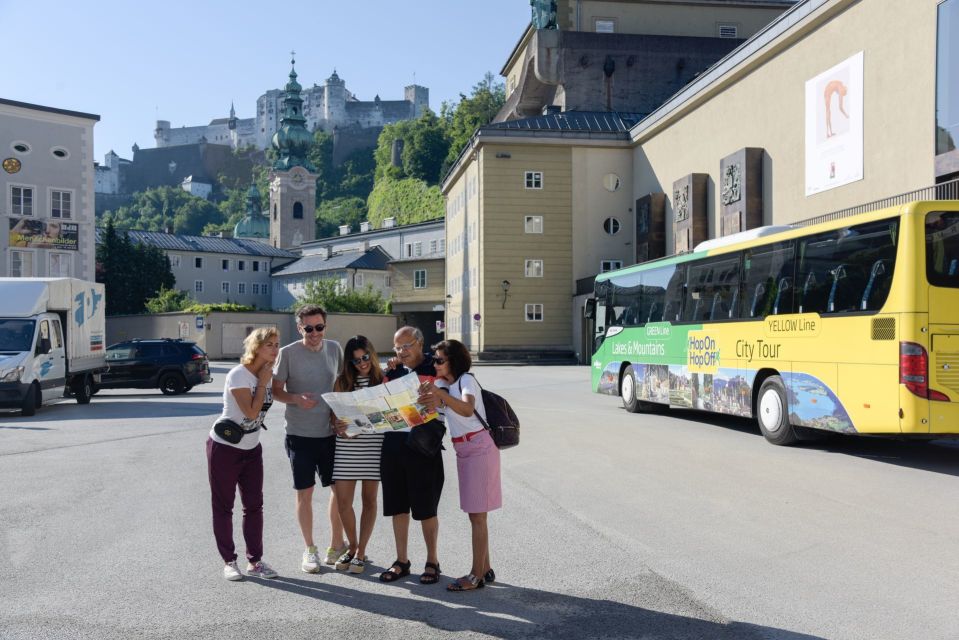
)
(131, 273)
(463, 119)
(168, 300)
(425, 145)
(328, 294)
(163, 208)
(333, 213)
(408, 200)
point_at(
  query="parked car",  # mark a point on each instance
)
(172, 366)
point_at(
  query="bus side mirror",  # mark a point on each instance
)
(589, 309)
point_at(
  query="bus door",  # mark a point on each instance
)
(942, 272)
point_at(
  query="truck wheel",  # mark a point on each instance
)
(772, 412)
(172, 384)
(30, 401)
(83, 389)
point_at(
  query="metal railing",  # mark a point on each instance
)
(945, 191)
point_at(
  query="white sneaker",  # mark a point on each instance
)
(260, 570)
(332, 555)
(311, 561)
(231, 572)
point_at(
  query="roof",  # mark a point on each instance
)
(582, 121)
(594, 125)
(399, 228)
(38, 107)
(373, 258)
(205, 244)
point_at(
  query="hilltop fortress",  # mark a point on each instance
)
(330, 108)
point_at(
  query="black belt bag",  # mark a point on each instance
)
(230, 431)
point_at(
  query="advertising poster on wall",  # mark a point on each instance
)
(44, 234)
(834, 106)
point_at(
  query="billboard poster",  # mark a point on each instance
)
(44, 234)
(834, 106)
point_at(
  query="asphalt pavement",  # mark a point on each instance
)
(674, 525)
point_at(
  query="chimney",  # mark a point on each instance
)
(327, 252)
(389, 223)
(366, 246)
(365, 226)
(344, 229)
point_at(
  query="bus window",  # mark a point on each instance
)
(768, 272)
(942, 249)
(847, 269)
(626, 300)
(675, 290)
(654, 293)
(712, 291)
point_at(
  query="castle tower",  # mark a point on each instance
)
(292, 178)
(418, 97)
(334, 110)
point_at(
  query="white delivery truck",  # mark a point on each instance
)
(52, 340)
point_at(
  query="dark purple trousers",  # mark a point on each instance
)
(229, 468)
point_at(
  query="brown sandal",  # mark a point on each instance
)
(393, 576)
(431, 578)
(466, 583)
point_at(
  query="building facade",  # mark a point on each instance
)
(416, 276)
(804, 118)
(214, 270)
(627, 56)
(47, 184)
(352, 270)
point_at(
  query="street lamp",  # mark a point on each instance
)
(505, 284)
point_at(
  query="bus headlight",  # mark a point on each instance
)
(11, 375)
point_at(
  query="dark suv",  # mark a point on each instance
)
(173, 366)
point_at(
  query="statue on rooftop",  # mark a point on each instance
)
(544, 14)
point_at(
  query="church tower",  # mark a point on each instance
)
(292, 178)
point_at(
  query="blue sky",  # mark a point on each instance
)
(133, 63)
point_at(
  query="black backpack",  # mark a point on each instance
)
(501, 420)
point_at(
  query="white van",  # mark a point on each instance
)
(52, 341)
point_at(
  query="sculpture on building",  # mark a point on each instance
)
(544, 14)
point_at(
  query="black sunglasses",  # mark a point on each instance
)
(363, 358)
(440, 360)
(316, 327)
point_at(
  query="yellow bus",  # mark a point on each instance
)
(848, 325)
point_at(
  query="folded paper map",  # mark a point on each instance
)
(385, 407)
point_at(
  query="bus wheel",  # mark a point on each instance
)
(627, 391)
(772, 412)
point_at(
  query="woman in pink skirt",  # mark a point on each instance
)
(477, 458)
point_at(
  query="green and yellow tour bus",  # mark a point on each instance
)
(848, 325)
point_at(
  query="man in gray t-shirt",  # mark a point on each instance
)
(304, 371)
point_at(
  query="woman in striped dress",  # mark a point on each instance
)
(357, 457)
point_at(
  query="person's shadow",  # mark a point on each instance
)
(505, 611)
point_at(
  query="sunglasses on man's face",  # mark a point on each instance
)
(311, 328)
(363, 358)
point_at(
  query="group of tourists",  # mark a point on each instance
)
(317, 444)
